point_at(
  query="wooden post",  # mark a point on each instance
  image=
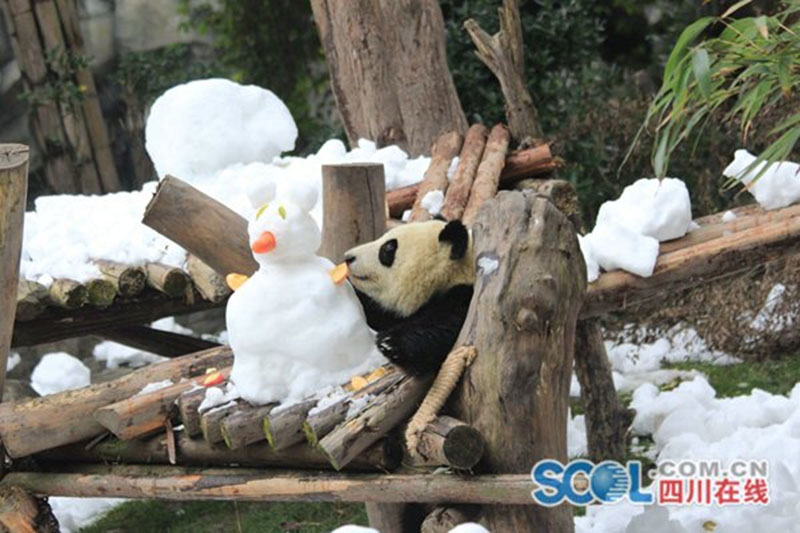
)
(353, 197)
(516, 391)
(13, 194)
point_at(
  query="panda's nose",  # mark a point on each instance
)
(349, 259)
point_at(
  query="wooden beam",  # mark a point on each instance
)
(203, 226)
(487, 177)
(183, 484)
(13, 195)
(57, 323)
(468, 160)
(446, 147)
(155, 341)
(31, 426)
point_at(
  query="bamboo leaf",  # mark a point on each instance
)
(734, 8)
(701, 65)
(761, 26)
(784, 75)
(660, 155)
(687, 36)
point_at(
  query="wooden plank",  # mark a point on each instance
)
(183, 484)
(13, 194)
(31, 426)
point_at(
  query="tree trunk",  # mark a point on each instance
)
(389, 71)
(523, 328)
(13, 193)
(68, 127)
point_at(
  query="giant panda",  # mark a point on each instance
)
(415, 284)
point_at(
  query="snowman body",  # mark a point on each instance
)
(292, 330)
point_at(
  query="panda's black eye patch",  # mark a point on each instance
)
(387, 252)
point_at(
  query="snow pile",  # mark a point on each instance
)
(57, 372)
(74, 514)
(116, 355)
(288, 347)
(433, 202)
(201, 127)
(628, 230)
(216, 396)
(13, 360)
(576, 436)
(778, 186)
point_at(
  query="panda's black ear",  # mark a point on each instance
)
(456, 234)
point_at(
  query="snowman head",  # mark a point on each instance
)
(282, 228)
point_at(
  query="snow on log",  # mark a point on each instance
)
(128, 280)
(468, 160)
(203, 226)
(446, 147)
(384, 455)
(240, 484)
(30, 426)
(696, 264)
(144, 413)
(487, 176)
(391, 407)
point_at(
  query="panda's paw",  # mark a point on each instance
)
(389, 348)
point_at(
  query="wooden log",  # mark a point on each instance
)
(527, 163)
(388, 517)
(607, 421)
(283, 427)
(487, 176)
(240, 484)
(460, 186)
(57, 323)
(13, 195)
(443, 519)
(188, 405)
(203, 226)
(68, 293)
(208, 281)
(100, 293)
(30, 426)
(320, 423)
(170, 280)
(144, 413)
(211, 421)
(693, 265)
(503, 54)
(22, 513)
(450, 442)
(383, 456)
(353, 199)
(32, 300)
(245, 426)
(155, 341)
(516, 391)
(561, 193)
(128, 280)
(446, 147)
(356, 434)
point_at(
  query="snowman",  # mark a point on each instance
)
(294, 327)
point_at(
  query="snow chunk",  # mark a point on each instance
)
(74, 514)
(406, 215)
(156, 385)
(115, 355)
(433, 202)
(216, 397)
(777, 187)
(576, 435)
(451, 170)
(59, 371)
(488, 265)
(469, 527)
(349, 528)
(13, 360)
(617, 247)
(203, 126)
(592, 267)
(728, 216)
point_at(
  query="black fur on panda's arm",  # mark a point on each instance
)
(419, 343)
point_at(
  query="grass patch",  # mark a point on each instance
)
(218, 517)
(777, 377)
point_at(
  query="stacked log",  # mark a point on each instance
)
(487, 176)
(458, 192)
(446, 147)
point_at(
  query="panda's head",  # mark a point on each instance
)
(408, 265)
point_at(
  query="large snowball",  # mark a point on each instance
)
(657, 208)
(59, 371)
(778, 186)
(201, 127)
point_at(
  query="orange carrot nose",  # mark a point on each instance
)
(265, 243)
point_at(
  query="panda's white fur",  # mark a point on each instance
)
(422, 267)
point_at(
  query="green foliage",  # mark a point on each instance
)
(148, 74)
(742, 74)
(218, 517)
(60, 86)
(777, 377)
(272, 44)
